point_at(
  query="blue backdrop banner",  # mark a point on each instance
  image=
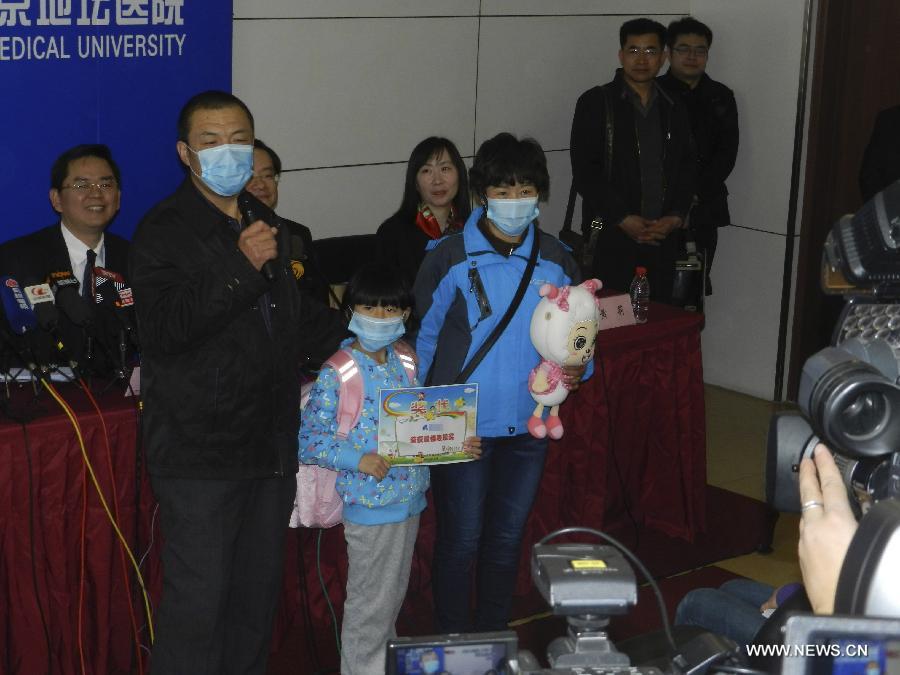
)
(102, 71)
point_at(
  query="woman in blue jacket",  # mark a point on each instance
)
(465, 285)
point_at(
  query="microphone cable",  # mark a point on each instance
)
(334, 621)
(143, 559)
(307, 615)
(89, 471)
(123, 544)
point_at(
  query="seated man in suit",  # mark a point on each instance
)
(85, 191)
(264, 186)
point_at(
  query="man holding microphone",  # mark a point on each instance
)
(222, 329)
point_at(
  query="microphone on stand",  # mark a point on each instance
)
(111, 291)
(65, 289)
(47, 315)
(22, 321)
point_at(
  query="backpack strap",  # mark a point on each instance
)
(350, 396)
(408, 358)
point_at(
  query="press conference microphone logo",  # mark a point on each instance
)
(18, 312)
(106, 280)
(16, 293)
(41, 298)
(38, 293)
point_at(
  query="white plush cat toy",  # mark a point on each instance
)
(563, 330)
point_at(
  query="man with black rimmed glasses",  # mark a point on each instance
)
(633, 165)
(714, 123)
(85, 189)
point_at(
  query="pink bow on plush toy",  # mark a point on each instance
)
(563, 330)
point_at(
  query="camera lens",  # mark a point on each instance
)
(865, 416)
(850, 401)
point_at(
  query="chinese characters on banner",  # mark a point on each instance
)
(103, 71)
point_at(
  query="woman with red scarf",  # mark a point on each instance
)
(435, 203)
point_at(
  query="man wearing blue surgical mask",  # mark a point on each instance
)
(222, 337)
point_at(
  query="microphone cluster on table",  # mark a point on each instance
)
(51, 331)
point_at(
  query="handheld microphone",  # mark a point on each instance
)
(249, 216)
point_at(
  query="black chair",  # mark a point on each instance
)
(340, 257)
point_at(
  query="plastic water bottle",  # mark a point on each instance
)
(640, 294)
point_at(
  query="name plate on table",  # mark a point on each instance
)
(426, 425)
(615, 311)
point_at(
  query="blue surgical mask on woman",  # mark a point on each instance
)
(375, 334)
(512, 216)
(225, 169)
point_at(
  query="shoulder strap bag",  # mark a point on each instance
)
(584, 244)
(511, 310)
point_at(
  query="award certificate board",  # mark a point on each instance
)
(426, 425)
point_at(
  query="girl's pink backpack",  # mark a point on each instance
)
(317, 503)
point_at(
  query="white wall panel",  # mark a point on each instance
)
(346, 200)
(740, 339)
(303, 9)
(635, 7)
(554, 211)
(356, 91)
(533, 69)
(756, 51)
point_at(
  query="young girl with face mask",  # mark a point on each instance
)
(381, 504)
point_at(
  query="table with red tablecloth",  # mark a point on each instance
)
(634, 436)
(63, 596)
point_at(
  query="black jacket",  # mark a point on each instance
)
(881, 160)
(714, 123)
(616, 193)
(306, 267)
(304, 263)
(31, 258)
(402, 243)
(221, 391)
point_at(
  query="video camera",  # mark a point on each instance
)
(849, 397)
(849, 393)
(586, 583)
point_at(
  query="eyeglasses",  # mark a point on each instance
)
(646, 51)
(684, 50)
(85, 186)
(267, 177)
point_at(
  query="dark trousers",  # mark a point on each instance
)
(223, 558)
(481, 509)
(617, 255)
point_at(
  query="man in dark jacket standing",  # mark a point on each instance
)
(222, 328)
(714, 123)
(633, 165)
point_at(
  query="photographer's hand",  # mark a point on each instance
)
(826, 527)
